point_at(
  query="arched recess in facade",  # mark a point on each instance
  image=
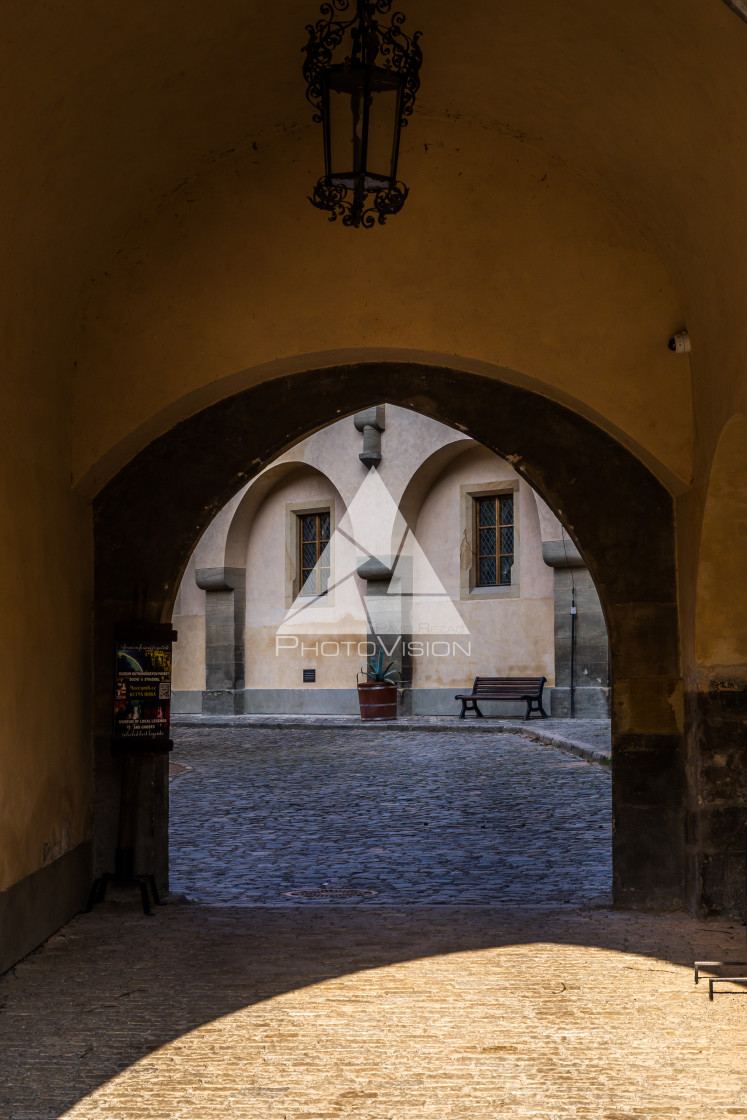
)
(588, 644)
(148, 518)
(221, 571)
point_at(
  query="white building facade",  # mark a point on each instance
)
(385, 531)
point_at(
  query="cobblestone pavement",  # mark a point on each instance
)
(593, 733)
(400, 1013)
(400, 817)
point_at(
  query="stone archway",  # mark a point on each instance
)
(149, 516)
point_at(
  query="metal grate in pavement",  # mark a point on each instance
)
(328, 892)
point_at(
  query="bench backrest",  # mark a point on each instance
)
(508, 684)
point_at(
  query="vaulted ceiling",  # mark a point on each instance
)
(121, 115)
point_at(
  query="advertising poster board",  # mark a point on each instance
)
(142, 688)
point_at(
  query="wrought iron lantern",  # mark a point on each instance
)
(362, 77)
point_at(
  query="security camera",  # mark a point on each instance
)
(679, 343)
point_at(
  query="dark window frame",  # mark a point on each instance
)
(320, 542)
(499, 521)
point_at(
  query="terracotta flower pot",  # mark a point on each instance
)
(378, 700)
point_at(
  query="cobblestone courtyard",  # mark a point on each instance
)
(254, 1004)
(399, 816)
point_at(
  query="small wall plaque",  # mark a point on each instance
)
(309, 676)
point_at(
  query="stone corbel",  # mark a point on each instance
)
(371, 422)
(219, 579)
(374, 570)
(562, 554)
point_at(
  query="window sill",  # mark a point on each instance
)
(505, 591)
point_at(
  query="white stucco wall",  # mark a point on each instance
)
(188, 673)
(283, 636)
(428, 470)
(510, 631)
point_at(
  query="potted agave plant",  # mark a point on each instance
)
(377, 694)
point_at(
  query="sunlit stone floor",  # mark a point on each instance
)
(392, 1014)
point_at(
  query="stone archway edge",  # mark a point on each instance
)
(149, 517)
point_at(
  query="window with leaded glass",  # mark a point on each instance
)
(495, 540)
(313, 540)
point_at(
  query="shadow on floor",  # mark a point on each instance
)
(113, 986)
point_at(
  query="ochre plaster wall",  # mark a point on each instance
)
(45, 606)
(716, 698)
(570, 207)
(538, 275)
(721, 619)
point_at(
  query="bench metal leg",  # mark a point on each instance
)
(539, 709)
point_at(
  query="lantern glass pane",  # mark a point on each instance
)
(382, 130)
(342, 126)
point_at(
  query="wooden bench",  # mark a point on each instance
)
(528, 689)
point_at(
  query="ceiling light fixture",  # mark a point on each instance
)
(362, 77)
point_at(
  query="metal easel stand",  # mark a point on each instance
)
(124, 859)
(98, 890)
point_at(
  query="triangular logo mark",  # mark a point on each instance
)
(405, 595)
